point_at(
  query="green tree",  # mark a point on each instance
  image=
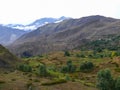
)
(42, 71)
(117, 84)
(86, 66)
(25, 68)
(64, 69)
(105, 80)
(69, 68)
(66, 53)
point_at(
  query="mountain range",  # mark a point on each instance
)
(10, 32)
(66, 35)
(8, 35)
(37, 23)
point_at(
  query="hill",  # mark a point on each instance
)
(7, 59)
(66, 35)
(63, 72)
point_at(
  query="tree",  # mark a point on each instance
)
(25, 68)
(86, 66)
(64, 69)
(105, 80)
(42, 71)
(117, 84)
(69, 68)
(66, 53)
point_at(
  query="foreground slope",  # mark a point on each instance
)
(68, 34)
(7, 59)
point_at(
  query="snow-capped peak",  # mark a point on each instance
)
(38, 23)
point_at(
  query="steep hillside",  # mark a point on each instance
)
(7, 59)
(8, 35)
(68, 34)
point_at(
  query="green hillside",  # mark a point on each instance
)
(68, 70)
(7, 59)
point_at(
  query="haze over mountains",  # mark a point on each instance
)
(37, 23)
(8, 35)
(10, 32)
(66, 35)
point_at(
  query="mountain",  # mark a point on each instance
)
(38, 23)
(8, 35)
(65, 35)
(7, 59)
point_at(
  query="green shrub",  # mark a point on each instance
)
(105, 80)
(80, 55)
(66, 53)
(64, 69)
(86, 66)
(69, 68)
(42, 70)
(117, 84)
(24, 68)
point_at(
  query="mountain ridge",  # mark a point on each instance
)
(66, 35)
(8, 35)
(37, 23)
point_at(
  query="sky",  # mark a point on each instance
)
(27, 11)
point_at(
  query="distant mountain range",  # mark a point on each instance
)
(8, 35)
(38, 23)
(10, 32)
(66, 35)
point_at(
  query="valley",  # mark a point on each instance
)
(74, 54)
(54, 75)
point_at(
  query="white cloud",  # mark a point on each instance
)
(25, 11)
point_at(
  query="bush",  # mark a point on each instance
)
(25, 68)
(42, 71)
(80, 55)
(69, 68)
(64, 69)
(86, 66)
(117, 84)
(66, 53)
(105, 80)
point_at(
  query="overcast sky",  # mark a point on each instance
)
(26, 11)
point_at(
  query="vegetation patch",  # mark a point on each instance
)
(59, 81)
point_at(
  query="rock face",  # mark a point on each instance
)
(68, 34)
(7, 59)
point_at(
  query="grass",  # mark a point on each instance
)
(57, 80)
